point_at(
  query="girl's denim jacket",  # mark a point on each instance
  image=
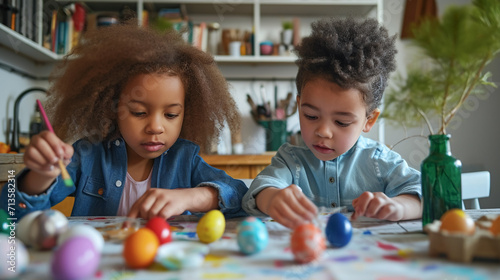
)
(99, 172)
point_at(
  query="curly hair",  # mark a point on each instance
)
(86, 86)
(350, 53)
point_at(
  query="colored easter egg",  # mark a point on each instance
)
(161, 228)
(46, 227)
(75, 259)
(139, 249)
(307, 243)
(457, 221)
(338, 230)
(495, 226)
(252, 236)
(211, 226)
(181, 254)
(83, 230)
(13, 257)
(4, 223)
(23, 228)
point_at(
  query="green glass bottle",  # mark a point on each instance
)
(441, 180)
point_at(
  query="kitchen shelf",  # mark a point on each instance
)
(265, 16)
(25, 47)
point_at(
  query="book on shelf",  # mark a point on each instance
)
(66, 26)
(21, 16)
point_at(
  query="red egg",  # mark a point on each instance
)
(161, 228)
(307, 243)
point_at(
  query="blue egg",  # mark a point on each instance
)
(338, 230)
(252, 236)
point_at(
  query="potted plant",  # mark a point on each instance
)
(457, 49)
(287, 33)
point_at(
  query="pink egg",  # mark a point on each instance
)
(75, 259)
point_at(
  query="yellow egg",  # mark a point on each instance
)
(211, 226)
(495, 226)
(457, 221)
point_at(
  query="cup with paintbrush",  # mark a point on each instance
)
(274, 122)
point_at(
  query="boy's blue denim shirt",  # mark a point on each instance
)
(99, 172)
(367, 166)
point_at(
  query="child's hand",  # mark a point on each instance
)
(44, 152)
(164, 203)
(288, 206)
(377, 205)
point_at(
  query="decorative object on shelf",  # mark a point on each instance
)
(266, 48)
(287, 34)
(235, 48)
(458, 48)
(296, 31)
(213, 38)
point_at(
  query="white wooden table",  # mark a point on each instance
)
(378, 250)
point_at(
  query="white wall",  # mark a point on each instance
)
(12, 84)
(475, 132)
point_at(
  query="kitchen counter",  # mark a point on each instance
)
(240, 166)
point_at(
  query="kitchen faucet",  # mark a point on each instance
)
(14, 143)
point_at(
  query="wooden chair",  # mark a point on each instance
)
(475, 185)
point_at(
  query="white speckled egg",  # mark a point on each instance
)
(252, 236)
(23, 227)
(13, 257)
(46, 228)
(83, 230)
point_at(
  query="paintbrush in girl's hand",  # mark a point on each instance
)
(64, 173)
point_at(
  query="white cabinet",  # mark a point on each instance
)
(264, 17)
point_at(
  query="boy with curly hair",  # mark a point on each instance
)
(343, 70)
(140, 104)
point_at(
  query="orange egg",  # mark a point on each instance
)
(495, 226)
(457, 221)
(139, 249)
(307, 243)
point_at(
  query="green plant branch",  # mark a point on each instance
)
(404, 139)
(442, 130)
(468, 91)
(428, 123)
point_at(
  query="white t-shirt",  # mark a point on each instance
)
(131, 192)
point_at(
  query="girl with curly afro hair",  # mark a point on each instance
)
(139, 105)
(344, 66)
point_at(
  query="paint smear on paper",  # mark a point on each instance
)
(278, 263)
(430, 267)
(176, 228)
(223, 275)
(405, 253)
(394, 258)
(387, 247)
(184, 234)
(346, 258)
(400, 277)
(215, 260)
